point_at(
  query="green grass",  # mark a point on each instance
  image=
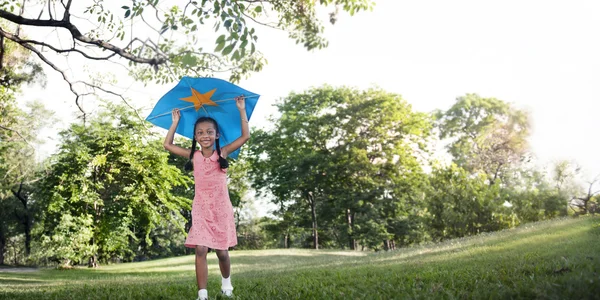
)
(557, 259)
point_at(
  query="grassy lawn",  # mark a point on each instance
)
(557, 259)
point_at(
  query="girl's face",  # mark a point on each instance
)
(206, 134)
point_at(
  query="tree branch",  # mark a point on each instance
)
(48, 62)
(114, 94)
(156, 13)
(67, 15)
(21, 11)
(25, 43)
(76, 34)
(1, 50)
(10, 129)
(18, 195)
(49, 10)
(261, 23)
(18, 40)
(19, 134)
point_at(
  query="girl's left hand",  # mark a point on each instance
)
(240, 102)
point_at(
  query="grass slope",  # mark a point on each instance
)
(557, 259)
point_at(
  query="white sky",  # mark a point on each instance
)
(541, 55)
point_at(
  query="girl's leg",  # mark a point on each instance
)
(224, 263)
(201, 267)
(225, 266)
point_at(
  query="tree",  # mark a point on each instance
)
(567, 177)
(338, 152)
(585, 202)
(487, 135)
(116, 185)
(291, 161)
(375, 158)
(534, 196)
(26, 170)
(461, 204)
(289, 173)
(19, 131)
(103, 30)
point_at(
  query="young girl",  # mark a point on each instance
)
(213, 224)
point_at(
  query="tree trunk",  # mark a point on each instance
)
(341, 244)
(93, 262)
(285, 241)
(495, 174)
(25, 219)
(66, 264)
(350, 219)
(313, 210)
(27, 238)
(2, 246)
(386, 245)
(237, 220)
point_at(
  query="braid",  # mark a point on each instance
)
(190, 164)
(223, 162)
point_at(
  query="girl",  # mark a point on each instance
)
(212, 213)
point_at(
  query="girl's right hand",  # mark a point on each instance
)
(176, 115)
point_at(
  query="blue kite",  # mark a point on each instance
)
(204, 97)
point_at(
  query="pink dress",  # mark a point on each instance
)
(213, 224)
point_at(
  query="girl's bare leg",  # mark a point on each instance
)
(201, 267)
(225, 266)
(224, 263)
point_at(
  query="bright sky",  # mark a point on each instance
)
(541, 55)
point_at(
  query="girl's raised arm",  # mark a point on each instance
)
(240, 102)
(176, 115)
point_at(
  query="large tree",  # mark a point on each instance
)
(137, 32)
(486, 135)
(341, 153)
(19, 132)
(109, 186)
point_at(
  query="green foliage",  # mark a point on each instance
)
(343, 153)
(535, 197)
(488, 135)
(111, 171)
(255, 234)
(234, 21)
(18, 69)
(19, 131)
(70, 241)
(460, 204)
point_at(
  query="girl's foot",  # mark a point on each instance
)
(202, 294)
(226, 287)
(227, 293)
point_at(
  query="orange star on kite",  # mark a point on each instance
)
(200, 99)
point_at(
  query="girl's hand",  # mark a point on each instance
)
(176, 115)
(240, 102)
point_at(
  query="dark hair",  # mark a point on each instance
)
(223, 162)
